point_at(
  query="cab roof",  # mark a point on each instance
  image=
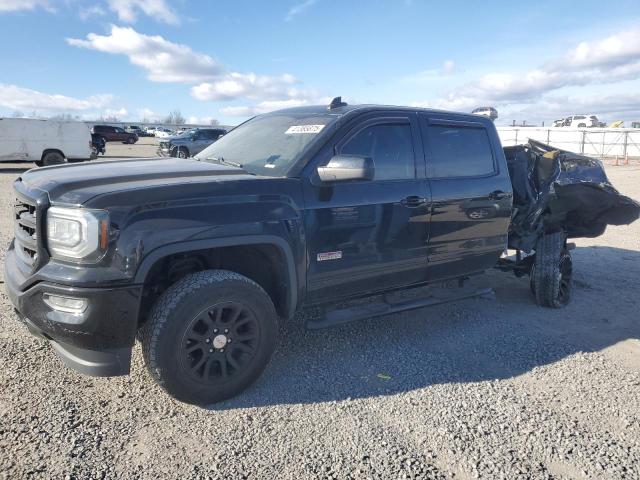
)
(367, 108)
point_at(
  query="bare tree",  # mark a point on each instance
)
(17, 114)
(213, 122)
(174, 118)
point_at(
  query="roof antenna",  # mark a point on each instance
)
(337, 103)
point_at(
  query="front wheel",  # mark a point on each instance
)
(183, 153)
(552, 272)
(209, 336)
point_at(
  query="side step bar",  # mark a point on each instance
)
(360, 312)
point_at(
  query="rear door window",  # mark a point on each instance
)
(457, 151)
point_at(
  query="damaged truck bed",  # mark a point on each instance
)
(559, 191)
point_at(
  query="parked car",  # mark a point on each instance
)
(189, 142)
(162, 132)
(490, 112)
(635, 124)
(558, 123)
(134, 129)
(98, 144)
(114, 134)
(581, 121)
(150, 131)
(303, 207)
(45, 142)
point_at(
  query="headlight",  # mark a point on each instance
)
(77, 234)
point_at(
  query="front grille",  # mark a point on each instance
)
(26, 231)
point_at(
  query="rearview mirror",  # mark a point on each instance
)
(343, 168)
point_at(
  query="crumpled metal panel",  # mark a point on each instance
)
(559, 190)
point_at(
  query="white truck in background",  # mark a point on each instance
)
(45, 142)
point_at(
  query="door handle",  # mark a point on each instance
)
(413, 201)
(499, 195)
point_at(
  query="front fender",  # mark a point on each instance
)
(190, 246)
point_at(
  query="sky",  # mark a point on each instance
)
(229, 60)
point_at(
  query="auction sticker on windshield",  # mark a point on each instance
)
(304, 129)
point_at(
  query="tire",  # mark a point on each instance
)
(182, 153)
(53, 158)
(582, 125)
(551, 279)
(188, 342)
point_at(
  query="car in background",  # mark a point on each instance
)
(490, 112)
(581, 121)
(558, 123)
(45, 142)
(150, 131)
(114, 134)
(190, 142)
(134, 129)
(162, 132)
(635, 124)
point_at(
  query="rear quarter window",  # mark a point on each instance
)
(458, 151)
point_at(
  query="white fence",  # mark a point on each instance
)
(619, 143)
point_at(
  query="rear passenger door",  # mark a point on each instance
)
(471, 195)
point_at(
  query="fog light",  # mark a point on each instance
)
(65, 304)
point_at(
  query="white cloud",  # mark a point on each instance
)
(614, 51)
(607, 61)
(128, 10)
(87, 12)
(298, 8)
(194, 120)
(249, 85)
(16, 5)
(19, 98)
(163, 60)
(448, 67)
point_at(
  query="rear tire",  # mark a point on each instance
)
(552, 272)
(52, 158)
(209, 336)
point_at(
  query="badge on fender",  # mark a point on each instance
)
(329, 256)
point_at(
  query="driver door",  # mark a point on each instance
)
(367, 236)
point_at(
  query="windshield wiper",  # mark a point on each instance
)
(222, 161)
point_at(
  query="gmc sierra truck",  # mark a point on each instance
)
(307, 207)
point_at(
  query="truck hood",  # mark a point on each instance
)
(77, 183)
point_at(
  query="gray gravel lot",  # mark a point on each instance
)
(481, 388)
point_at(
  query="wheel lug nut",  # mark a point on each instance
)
(215, 330)
(228, 340)
(211, 350)
(221, 350)
(226, 330)
(208, 340)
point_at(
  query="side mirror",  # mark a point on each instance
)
(342, 168)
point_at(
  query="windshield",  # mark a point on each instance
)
(185, 133)
(269, 144)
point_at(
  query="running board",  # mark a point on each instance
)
(360, 312)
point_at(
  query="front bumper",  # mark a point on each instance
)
(163, 151)
(97, 342)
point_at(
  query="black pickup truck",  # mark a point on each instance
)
(312, 206)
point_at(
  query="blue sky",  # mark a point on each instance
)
(227, 60)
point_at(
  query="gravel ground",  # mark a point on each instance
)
(481, 388)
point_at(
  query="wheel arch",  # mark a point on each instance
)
(51, 150)
(286, 296)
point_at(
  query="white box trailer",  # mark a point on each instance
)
(45, 142)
